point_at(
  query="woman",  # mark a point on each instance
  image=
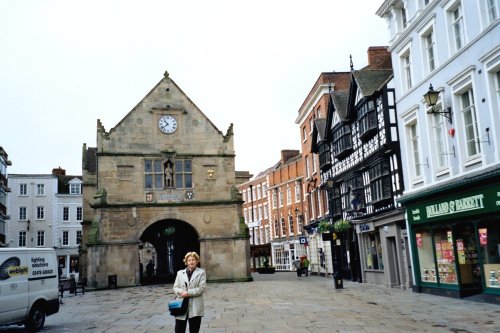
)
(191, 283)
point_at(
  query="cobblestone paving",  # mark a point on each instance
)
(276, 303)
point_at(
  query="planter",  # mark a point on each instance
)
(266, 270)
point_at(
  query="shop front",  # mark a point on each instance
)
(456, 239)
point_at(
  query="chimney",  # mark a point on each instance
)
(58, 172)
(379, 58)
(288, 154)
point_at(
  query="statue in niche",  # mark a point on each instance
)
(169, 174)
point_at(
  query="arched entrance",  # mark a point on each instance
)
(171, 239)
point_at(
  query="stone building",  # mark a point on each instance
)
(164, 178)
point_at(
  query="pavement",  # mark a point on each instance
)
(275, 303)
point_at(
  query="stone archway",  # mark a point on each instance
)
(172, 239)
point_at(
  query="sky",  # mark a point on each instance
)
(65, 64)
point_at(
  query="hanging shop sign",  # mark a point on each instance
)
(462, 204)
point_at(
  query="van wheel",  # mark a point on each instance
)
(36, 318)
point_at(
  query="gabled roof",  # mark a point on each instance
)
(339, 100)
(371, 80)
(318, 132)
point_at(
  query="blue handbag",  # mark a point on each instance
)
(178, 307)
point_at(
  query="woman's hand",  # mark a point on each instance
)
(184, 294)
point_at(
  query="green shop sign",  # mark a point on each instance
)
(486, 200)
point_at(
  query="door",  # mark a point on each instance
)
(468, 261)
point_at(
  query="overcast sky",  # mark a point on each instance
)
(64, 64)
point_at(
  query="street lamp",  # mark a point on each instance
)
(431, 98)
(337, 275)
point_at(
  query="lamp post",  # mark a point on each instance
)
(431, 98)
(337, 275)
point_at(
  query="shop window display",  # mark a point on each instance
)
(426, 256)
(443, 243)
(373, 250)
(489, 245)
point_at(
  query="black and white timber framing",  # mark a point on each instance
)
(359, 149)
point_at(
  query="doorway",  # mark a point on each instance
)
(170, 241)
(468, 260)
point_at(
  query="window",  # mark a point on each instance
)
(439, 143)
(308, 174)
(336, 201)
(183, 174)
(367, 119)
(78, 237)
(22, 239)
(304, 134)
(22, 213)
(65, 216)
(342, 140)
(297, 192)
(445, 257)
(65, 238)
(40, 189)
(414, 139)
(276, 229)
(79, 214)
(75, 188)
(404, 21)
(406, 61)
(470, 124)
(259, 192)
(429, 46)
(423, 240)
(275, 201)
(23, 189)
(492, 6)
(264, 190)
(288, 195)
(290, 225)
(380, 181)
(153, 173)
(40, 239)
(40, 213)
(280, 197)
(265, 212)
(283, 226)
(161, 174)
(353, 196)
(373, 251)
(457, 27)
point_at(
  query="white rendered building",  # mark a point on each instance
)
(46, 211)
(450, 151)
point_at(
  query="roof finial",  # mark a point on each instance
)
(166, 74)
(329, 86)
(350, 62)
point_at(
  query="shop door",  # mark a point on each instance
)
(468, 261)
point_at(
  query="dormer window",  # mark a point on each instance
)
(75, 188)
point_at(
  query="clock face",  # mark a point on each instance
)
(167, 124)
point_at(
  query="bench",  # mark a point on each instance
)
(72, 286)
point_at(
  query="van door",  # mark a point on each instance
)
(13, 287)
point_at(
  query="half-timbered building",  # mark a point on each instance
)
(361, 171)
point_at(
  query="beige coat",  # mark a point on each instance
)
(196, 287)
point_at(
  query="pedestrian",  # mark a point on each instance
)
(191, 282)
(296, 264)
(305, 265)
(150, 270)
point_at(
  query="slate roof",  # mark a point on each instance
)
(340, 101)
(320, 124)
(371, 80)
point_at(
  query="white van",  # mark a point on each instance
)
(28, 286)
